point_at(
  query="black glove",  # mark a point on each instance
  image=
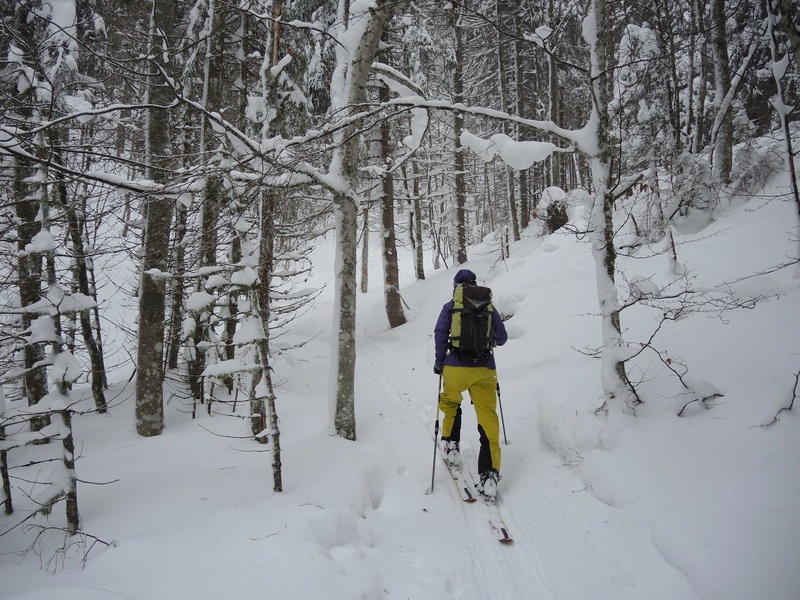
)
(437, 368)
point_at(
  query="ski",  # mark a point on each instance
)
(465, 488)
(498, 526)
(468, 492)
(496, 523)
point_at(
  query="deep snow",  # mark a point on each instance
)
(601, 505)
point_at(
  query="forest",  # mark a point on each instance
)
(206, 147)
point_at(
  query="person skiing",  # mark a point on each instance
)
(476, 375)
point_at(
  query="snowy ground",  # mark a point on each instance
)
(613, 506)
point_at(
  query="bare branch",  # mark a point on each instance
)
(776, 418)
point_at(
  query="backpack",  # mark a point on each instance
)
(470, 325)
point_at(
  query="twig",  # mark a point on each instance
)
(703, 400)
(776, 418)
(269, 535)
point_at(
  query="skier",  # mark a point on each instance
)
(479, 377)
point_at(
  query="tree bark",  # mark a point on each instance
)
(365, 249)
(416, 229)
(152, 292)
(71, 493)
(75, 228)
(723, 142)
(601, 225)
(459, 176)
(345, 164)
(8, 506)
(524, 201)
(29, 274)
(505, 102)
(391, 270)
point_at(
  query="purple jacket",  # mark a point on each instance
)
(441, 336)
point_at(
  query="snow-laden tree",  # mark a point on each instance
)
(57, 405)
(362, 29)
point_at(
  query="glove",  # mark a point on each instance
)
(437, 368)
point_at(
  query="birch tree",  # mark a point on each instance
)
(597, 30)
(361, 39)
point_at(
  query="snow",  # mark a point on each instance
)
(601, 505)
(517, 155)
(43, 241)
(42, 330)
(281, 65)
(199, 301)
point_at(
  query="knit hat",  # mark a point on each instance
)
(464, 276)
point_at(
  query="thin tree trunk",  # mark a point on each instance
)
(343, 358)
(8, 506)
(778, 101)
(29, 265)
(71, 493)
(723, 141)
(29, 273)
(690, 76)
(519, 93)
(505, 104)
(391, 271)
(267, 400)
(459, 175)
(416, 234)
(75, 227)
(178, 287)
(614, 379)
(365, 249)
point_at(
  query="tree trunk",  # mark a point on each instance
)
(152, 292)
(93, 349)
(26, 201)
(416, 230)
(365, 249)
(345, 161)
(265, 399)
(723, 143)
(778, 101)
(212, 196)
(71, 492)
(690, 77)
(505, 104)
(344, 355)
(524, 205)
(29, 274)
(613, 376)
(177, 288)
(391, 271)
(8, 506)
(459, 176)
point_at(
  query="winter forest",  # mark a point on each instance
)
(186, 185)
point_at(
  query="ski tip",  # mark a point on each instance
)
(428, 491)
(506, 541)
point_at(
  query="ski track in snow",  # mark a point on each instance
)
(512, 572)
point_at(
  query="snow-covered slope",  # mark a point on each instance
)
(601, 505)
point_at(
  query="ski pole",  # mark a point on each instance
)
(502, 420)
(435, 435)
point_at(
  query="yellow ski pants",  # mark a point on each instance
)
(481, 383)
